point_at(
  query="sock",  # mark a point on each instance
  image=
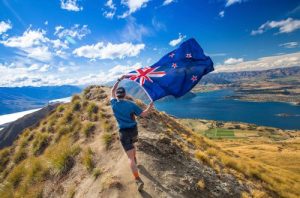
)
(136, 175)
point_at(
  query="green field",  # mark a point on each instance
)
(219, 133)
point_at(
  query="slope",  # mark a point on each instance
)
(75, 152)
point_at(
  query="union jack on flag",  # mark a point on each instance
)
(176, 73)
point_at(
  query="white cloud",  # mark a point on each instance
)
(289, 45)
(167, 2)
(75, 31)
(134, 31)
(133, 6)
(231, 61)
(231, 2)
(177, 41)
(222, 13)
(112, 9)
(109, 51)
(264, 63)
(70, 5)
(4, 26)
(285, 26)
(35, 44)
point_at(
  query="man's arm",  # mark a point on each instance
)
(113, 90)
(147, 110)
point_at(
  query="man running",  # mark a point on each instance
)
(125, 112)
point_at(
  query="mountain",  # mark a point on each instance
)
(75, 152)
(231, 77)
(12, 130)
(15, 99)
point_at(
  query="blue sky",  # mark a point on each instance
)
(49, 42)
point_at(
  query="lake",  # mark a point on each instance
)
(214, 106)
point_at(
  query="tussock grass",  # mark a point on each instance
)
(92, 108)
(61, 156)
(60, 108)
(97, 172)
(201, 184)
(88, 129)
(19, 155)
(76, 105)
(40, 143)
(87, 159)
(75, 98)
(107, 139)
(4, 158)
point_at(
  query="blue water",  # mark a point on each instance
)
(214, 106)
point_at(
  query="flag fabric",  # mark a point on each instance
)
(174, 74)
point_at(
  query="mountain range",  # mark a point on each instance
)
(15, 99)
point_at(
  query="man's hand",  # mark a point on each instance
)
(147, 110)
(113, 90)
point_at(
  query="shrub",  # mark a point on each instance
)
(87, 159)
(107, 139)
(88, 129)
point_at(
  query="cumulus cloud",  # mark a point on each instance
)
(75, 31)
(35, 44)
(110, 13)
(109, 51)
(289, 45)
(231, 61)
(167, 2)
(4, 26)
(70, 5)
(284, 26)
(264, 63)
(133, 6)
(175, 42)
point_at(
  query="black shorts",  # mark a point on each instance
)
(128, 136)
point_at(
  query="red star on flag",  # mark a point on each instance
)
(174, 65)
(194, 78)
(188, 55)
(171, 55)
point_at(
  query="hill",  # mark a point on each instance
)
(12, 130)
(75, 152)
(15, 99)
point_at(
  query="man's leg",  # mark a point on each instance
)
(134, 151)
(131, 156)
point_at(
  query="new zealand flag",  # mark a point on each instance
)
(176, 73)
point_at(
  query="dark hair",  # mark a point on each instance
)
(121, 93)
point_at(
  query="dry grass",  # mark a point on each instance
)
(97, 172)
(61, 156)
(107, 139)
(87, 160)
(201, 184)
(276, 164)
(88, 129)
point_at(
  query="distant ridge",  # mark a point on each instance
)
(229, 77)
(16, 99)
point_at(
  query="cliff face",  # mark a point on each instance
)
(75, 152)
